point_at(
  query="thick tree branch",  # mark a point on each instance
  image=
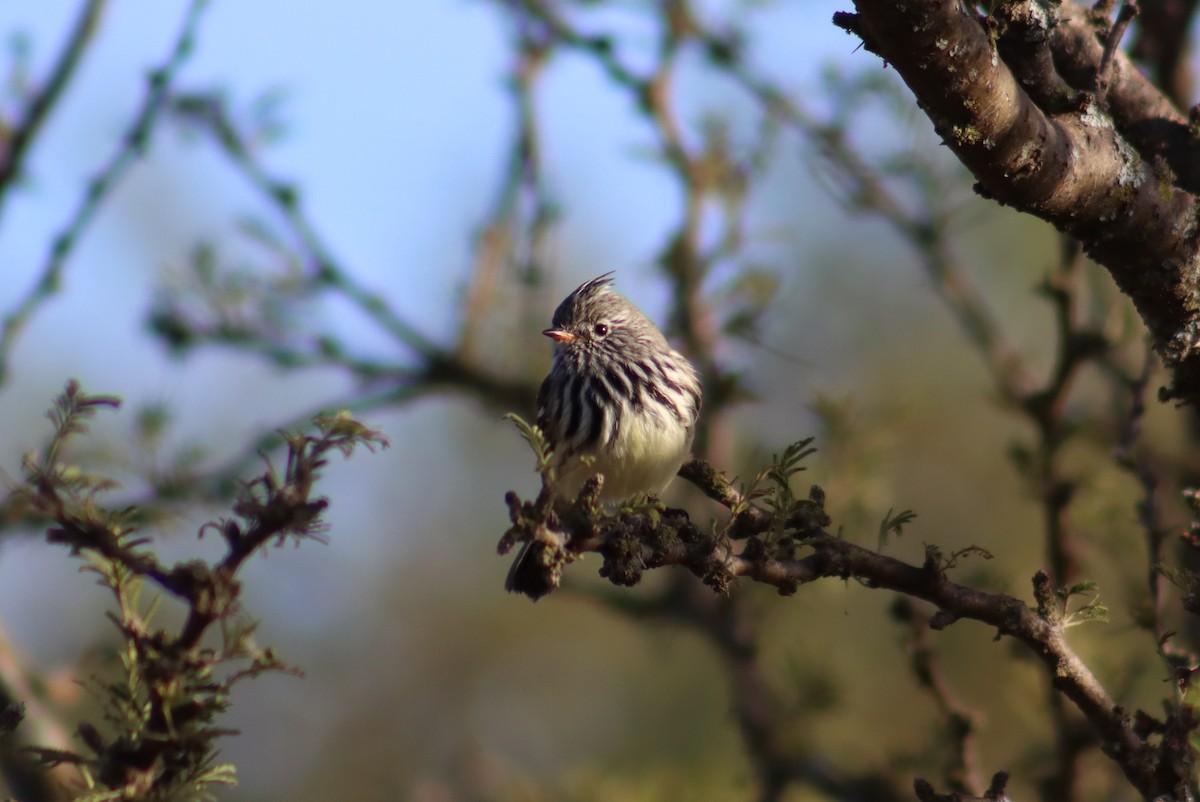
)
(1070, 166)
(1151, 122)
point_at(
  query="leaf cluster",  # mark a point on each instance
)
(1055, 604)
(159, 728)
(771, 490)
(537, 441)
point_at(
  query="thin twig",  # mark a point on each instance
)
(133, 145)
(39, 108)
(210, 114)
(958, 721)
(1149, 513)
(514, 237)
(1129, 10)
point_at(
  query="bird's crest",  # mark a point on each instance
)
(592, 286)
(582, 297)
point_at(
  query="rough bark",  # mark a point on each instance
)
(1020, 99)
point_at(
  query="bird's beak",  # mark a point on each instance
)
(559, 336)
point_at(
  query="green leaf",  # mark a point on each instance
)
(343, 432)
(1091, 610)
(1079, 588)
(894, 524)
(536, 439)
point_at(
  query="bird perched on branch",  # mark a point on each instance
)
(619, 401)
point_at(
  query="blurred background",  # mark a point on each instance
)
(396, 124)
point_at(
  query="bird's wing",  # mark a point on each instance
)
(545, 399)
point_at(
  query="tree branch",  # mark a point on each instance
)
(12, 159)
(133, 145)
(639, 539)
(1071, 167)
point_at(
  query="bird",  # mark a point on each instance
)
(618, 401)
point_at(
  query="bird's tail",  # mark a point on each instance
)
(538, 567)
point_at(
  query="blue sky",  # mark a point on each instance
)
(396, 124)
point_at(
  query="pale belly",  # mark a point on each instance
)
(644, 458)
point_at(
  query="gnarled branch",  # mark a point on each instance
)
(637, 539)
(1110, 170)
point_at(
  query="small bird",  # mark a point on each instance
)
(616, 392)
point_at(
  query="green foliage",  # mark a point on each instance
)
(1055, 604)
(894, 525)
(773, 484)
(1090, 610)
(789, 518)
(537, 442)
(157, 738)
(207, 298)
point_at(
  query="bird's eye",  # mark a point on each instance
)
(600, 329)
